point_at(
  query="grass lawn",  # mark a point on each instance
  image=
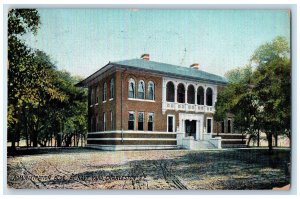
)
(83, 168)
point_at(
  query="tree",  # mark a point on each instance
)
(260, 99)
(41, 99)
(20, 21)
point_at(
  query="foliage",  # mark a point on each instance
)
(259, 94)
(41, 99)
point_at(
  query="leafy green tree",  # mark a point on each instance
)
(261, 99)
(20, 21)
(41, 99)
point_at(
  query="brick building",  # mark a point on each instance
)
(142, 104)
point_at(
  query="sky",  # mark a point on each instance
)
(82, 41)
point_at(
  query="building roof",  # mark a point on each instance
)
(172, 70)
(161, 68)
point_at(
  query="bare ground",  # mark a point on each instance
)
(82, 168)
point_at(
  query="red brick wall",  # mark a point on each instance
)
(121, 117)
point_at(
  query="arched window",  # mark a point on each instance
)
(150, 90)
(97, 94)
(92, 96)
(170, 92)
(112, 88)
(180, 93)
(200, 95)
(191, 94)
(141, 90)
(209, 95)
(131, 88)
(104, 91)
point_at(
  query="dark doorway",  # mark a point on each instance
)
(190, 128)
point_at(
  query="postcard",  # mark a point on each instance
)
(148, 99)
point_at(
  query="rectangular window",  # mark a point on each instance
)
(92, 96)
(141, 121)
(104, 92)
(112, 120)
(209, 126)
(131, 120)
(222, 127)
(150, 121)
(229, 126)
(104, 121)
(171, 123)
(92, 124)
(97, 125)
(97, 93)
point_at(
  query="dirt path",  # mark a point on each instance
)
(169, 169)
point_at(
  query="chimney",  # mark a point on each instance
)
(145, 57)
(195, 66)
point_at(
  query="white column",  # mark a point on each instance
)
(164, 91)
(164, 99)
(175, 93)
(185, 92)
(197, 130)
(183, 127)
(205, 96)
(196, 97)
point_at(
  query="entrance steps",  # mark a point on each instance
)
(232, 140)
(192, 144)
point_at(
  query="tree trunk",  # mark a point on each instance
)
(258, 139)
(34, 139)
(270, 136)
(276, 139)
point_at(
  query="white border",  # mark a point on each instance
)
(206, 4)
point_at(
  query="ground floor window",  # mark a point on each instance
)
(141, 121)
(97, 123)
(222, 127)
(112, 120)
(150, 121)
(209, 125)
(104, 121)
(229, 126)
(170, 123)
(131, 120)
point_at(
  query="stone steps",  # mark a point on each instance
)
(232, 140)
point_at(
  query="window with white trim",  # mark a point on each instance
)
(131, 88)
(141, 90)
(171, 124)
(150, 121)
(131, 120)
(97, 123)
(112, 88)
(112, 120)
(97, 94)
(150, 90)
(104, 121)
(141, 121)
(209, 125)
(104, 91)
(229, 126)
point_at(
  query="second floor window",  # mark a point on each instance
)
(112, 90)
(209, 97)
(97, 95)
(131, 89)
(150, 90)
(104, 91)
(141, 90)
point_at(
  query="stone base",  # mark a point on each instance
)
(132, 147)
